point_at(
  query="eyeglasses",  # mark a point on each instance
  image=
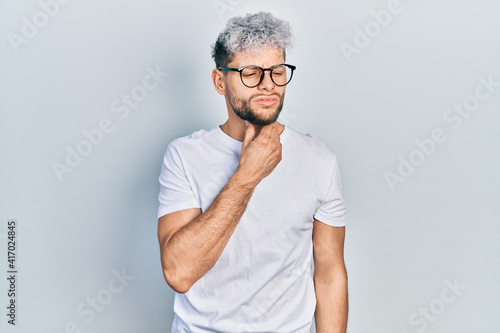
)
(251, 75)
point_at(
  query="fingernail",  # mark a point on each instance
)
(247, 123)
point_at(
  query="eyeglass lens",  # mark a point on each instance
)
(280, 75)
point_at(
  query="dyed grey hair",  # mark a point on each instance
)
(252, 31)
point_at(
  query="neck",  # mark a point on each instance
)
(236, 128)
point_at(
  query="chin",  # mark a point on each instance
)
(263, 121)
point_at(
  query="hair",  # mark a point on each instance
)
(252, 31)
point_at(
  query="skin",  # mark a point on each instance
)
(191, 241)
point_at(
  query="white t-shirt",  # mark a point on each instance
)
(262, 282)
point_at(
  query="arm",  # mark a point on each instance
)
(191, 242)
(330, 278)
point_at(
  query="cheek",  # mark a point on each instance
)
(234, 89)
(240, 95)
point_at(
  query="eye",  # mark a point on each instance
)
(280, 70)
(251, 71)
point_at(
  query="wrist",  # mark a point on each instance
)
(243, 179)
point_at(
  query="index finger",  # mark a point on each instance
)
(274, 130)
(267, 130)
(249, 136)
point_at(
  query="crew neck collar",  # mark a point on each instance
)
(235, 144)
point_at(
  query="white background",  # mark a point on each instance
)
(404, 245)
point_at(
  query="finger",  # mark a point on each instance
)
(276, 129)
(249, 135)
(266, 131)
(274, 132)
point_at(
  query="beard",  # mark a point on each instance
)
(243, 109)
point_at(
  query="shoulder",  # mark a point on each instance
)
(180, 149)
(310, 144)
(195, 140)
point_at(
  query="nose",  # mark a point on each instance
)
(267, 83)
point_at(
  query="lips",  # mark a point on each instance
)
(266, 101)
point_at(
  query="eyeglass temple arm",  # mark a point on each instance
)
(228, 69)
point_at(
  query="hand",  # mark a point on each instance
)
(260, 152)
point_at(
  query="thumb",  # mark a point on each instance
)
(249, 135)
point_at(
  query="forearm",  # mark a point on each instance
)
(332, 302)
(197, 246)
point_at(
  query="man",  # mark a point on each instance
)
(246, 206)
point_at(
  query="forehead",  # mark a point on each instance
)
(266, 56)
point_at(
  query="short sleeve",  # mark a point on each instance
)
(333, 210)
(175, 191)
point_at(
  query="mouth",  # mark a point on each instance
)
(266, 100)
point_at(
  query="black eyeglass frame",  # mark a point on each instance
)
(240, 70)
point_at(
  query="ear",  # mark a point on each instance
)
(219, 81)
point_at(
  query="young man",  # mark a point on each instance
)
(246, 206)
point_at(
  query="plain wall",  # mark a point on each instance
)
(408, 110)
